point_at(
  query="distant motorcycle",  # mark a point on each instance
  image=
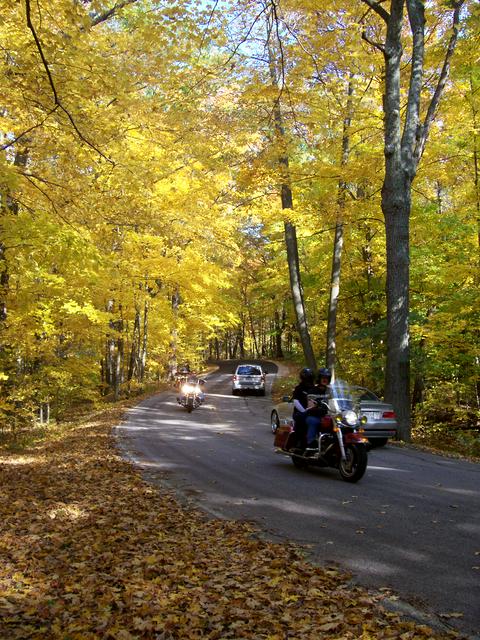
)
(341, 443)
(190, 393)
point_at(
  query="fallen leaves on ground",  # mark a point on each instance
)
(89, 550)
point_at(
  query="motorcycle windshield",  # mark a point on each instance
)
(340, 397)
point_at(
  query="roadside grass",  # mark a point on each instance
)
(89, 550)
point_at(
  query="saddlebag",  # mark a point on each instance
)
(282, 435)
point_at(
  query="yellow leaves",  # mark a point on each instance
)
(291, 598)
(67, 512)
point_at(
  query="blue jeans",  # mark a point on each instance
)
(313, 427)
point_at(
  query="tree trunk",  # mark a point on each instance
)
(118, 362)
(290, 230)
(476, 157)
(331, 352)
(133, 363)
(241, 337)
(331, 358)
(11, 206)
(396, 210)
(143, 351)
(279, 326)
(172, 359)
(403, 150)
(297, 293)
(396, 198)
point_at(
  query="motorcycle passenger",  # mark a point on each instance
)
(201, 385)
(184, 370)
(317, 411)
(301, 410)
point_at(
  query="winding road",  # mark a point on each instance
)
(411, 526)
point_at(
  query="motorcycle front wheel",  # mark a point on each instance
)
(190, 405)
(355, 463)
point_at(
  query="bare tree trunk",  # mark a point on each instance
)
(331, 358)
(256, 351)
(476, 184)
(241, 337)
(297, 293)
(279, 326)
(133, 363)
(143, 351)
(11, 206)
(331, 353)
(172, 359)
(476, 155)
(291, 242)
(118, 363)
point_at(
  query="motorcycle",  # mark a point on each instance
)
(190, 393)
(341, 443)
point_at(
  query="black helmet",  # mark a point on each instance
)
(324, 373)
(306, 375)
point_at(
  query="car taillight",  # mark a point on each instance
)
(389, 414)
(234, 377)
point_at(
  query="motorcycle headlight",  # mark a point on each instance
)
(350, 418)
(187, 388)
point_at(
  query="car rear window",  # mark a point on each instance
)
(366, 394)
(249, 371)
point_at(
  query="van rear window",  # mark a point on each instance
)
(248, 371)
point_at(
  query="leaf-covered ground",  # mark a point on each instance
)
(89, 550)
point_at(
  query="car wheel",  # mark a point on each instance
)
(262, 392)
(375, 443)
(234, 392)
(274, 421)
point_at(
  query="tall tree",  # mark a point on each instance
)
(405, 138)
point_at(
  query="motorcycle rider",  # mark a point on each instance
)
(317, 410)
(193, 380)
(200, 382)
(301, 408)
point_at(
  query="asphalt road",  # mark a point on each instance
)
(411, 525)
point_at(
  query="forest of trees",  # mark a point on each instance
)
(265, 178)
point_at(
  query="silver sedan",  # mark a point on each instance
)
(380, 425)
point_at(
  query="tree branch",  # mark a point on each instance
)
(52, 203)
(416, 17)
(102, 17)
(433, 106)
(376, 45)
(376, 6)
(57, 101)
(24, 133)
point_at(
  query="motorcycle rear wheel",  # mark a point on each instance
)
(274, 421)
(354, 466)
